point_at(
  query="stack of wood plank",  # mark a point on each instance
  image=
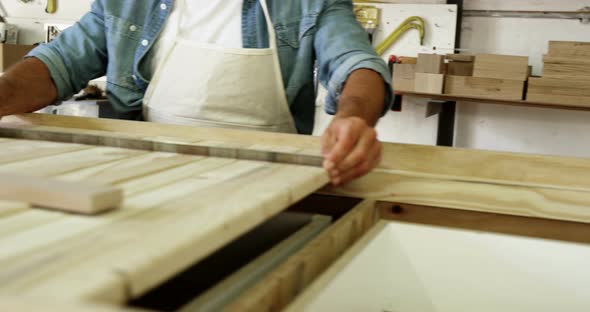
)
(494, 76)
(566, 75)
(488, 76)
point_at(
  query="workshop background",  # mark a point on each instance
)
(481, 126)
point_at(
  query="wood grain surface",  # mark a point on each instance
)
(498, 182)
(177, 210)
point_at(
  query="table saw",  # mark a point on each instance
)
(431, 229)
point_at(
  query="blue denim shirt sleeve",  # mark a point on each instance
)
(78, 55)
(342, 47)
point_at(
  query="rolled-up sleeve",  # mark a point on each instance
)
(78, 54)
(342, 46)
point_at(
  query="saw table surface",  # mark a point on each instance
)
(177, 210)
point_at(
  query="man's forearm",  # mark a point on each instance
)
(26, 87)
(363, 96)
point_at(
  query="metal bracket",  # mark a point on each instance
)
(434, 108)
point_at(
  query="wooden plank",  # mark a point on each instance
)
(429, 83)
(453, 162)
(569, 49)
(79, 197)
(430, 63)
(13, 151)
(487, 222)
(577, 101)
(484, 196)
(552, 86)
(566, 71)
(490, 101)
(281, 286)
(484, 87)
(204, 148)
(68, 162)
(233, 286)
(570, 60)
(501, 67)
(132, 255)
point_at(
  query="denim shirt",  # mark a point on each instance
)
(116, 36)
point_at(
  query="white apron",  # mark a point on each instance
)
(206, 85)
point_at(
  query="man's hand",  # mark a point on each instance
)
(350, 148)
(349, 145)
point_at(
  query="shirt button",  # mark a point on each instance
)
(133, 28)
(163, 6)
(145, 42)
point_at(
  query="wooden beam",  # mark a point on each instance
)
(483, 196)
(158, 144)
(282, 285)
(487, 222)
(77, 197)
(457, 163)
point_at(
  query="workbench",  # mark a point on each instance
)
(431, 229)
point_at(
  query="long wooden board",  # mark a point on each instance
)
(200, 205)
(518, 184)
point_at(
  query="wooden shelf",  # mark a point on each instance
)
(442, 97)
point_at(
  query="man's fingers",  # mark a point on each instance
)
(362, 152)
(361, 169)
(346, 139)
(327, 141)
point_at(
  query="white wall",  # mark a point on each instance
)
(522, 129)
(31, 16)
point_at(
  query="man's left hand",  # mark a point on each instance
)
(350, 148)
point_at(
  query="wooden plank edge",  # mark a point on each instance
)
(156, 145)
(284, 284)
(487, 222)
(527, 201)
(231, 287)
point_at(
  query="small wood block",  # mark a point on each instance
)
(460, 69)
(503, 89)
(569, 48)
(460, 58)
(552, 86)
(403, 77)
(431, 64)
(501, 67)
(404, 85)
(429, 83)
(78, 197)
(404, 71)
